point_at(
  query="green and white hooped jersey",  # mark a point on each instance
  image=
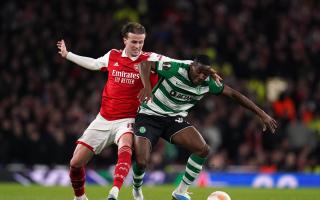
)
(174, 93)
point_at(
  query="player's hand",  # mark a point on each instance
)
(216, 76)
(269, 123)
(62, 48)
(145, 94)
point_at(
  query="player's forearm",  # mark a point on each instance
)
(145, 70)
(86, 62)
(247, 103)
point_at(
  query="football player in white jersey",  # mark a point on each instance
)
(179, 88)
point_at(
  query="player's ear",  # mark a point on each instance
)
(194, 65)
(192, 68)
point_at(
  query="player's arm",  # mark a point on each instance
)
(86, 62)
(145, 68)
(165, 69)
(268, 122)
(214, 74)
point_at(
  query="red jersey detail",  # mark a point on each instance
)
(119, 97)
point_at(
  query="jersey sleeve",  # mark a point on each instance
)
(155, 57)
(102, 62)
(89, 63)
(214, 87)
(168, 69)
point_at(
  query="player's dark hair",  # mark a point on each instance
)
(132, 27)
(203, 59)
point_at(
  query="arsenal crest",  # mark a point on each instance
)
(136, 67)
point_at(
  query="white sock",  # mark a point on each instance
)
(183, 187)
(114, 191)
(82, 197)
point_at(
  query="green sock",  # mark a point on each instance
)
(193, 168)
(138, 175)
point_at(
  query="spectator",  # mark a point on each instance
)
(36, 87)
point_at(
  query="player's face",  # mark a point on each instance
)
(134, 43)
(198, 73)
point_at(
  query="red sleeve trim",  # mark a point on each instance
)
(86, 145)
(123, 135)
(104, 69)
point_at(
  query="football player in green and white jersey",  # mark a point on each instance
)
(180, 87)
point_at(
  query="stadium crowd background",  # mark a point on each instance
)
(267, 49)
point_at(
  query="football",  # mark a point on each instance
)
(219, 195)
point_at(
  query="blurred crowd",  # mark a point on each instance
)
(267, 49)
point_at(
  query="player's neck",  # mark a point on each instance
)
(130, 56)
(189, 75)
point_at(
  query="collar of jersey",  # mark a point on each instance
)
(124, 54)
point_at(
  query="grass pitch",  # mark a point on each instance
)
(35, 192)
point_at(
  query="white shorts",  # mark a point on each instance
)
(102, 133)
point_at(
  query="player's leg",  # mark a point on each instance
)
(123, 164)
(95, 138)
(81, 156)
(142, 147)
(186, 136)
(122, 130)
(147, 132)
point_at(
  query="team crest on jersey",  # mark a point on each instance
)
(136, 67)
(116, 64)
(142, 129)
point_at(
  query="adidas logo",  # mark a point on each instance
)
(116, 64)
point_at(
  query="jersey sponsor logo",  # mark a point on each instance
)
(180, 96)
(123, 74)
(125, 77)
